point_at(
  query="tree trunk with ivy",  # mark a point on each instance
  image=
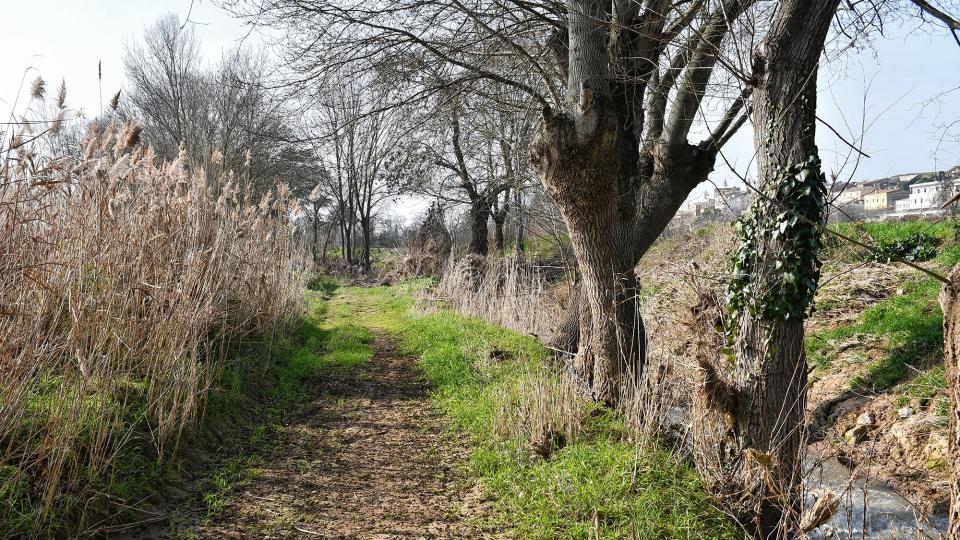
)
(776, 271)
(951, 354)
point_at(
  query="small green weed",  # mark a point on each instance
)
(225, 481)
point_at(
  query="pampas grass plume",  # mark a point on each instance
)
(38, 89)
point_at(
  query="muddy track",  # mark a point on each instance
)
(366, 457)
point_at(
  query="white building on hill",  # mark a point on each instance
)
(926, 196)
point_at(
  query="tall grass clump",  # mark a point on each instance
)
(513, 292)
(124, 285)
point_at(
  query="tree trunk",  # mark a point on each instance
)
(585, 162)
(326, 241)
(365, 238)
(499, 244)
(951, 350)
(566, 338)
(518, 239)
(479, 215)
(343, 238)
(776, 270)
(316, 229)
(615, 197)
(669, 174)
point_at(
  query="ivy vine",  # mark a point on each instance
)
(788, 221)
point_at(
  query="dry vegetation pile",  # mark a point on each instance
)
(124, 285)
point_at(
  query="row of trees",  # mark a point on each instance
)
(347, 147)
(620, 108)
(340, 156)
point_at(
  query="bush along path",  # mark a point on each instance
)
(391, 424)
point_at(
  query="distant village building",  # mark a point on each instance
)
(723, 204)
(733, 200)
(926, 196)
(898, 196)
(847, 194)
(882, 200)
(894, 197)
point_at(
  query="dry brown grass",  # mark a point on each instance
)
(123, 285)
(512, 292)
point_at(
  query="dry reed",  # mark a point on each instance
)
(124, 283)
(512, 292)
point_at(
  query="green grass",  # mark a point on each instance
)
(888, 233)
(928, 386)
(911, 323)
(226, 479)
(16, 508)
(600, 475)
(322, 346)
(326, 345)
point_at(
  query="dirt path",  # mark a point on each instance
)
(365, 458)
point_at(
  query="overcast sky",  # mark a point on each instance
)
(67, 38)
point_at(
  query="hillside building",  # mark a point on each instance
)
(882, 200)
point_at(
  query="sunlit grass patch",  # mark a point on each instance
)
(494, 385)
(912, 325)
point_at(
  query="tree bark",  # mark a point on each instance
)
(316, 229)
(499, 243)
(366, 234)
(951, 350)
(566, 338)
(518, 238)
(656, 179)
(778, 268)
(326, 240)
(668, 176)
(587, 165)
(479, 216)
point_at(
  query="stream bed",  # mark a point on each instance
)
(887, 516)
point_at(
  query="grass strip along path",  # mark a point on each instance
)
(405, 425)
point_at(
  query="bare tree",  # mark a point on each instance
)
(366, 160)
(167, 88)
(619, 167)
(223, 118)
(621, 85)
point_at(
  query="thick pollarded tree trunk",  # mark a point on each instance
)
(951, 354)
(579, 158)
(776, 269)
(649, 173)
(667, 177)
(587, 162)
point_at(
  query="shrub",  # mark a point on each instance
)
(916, 247)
